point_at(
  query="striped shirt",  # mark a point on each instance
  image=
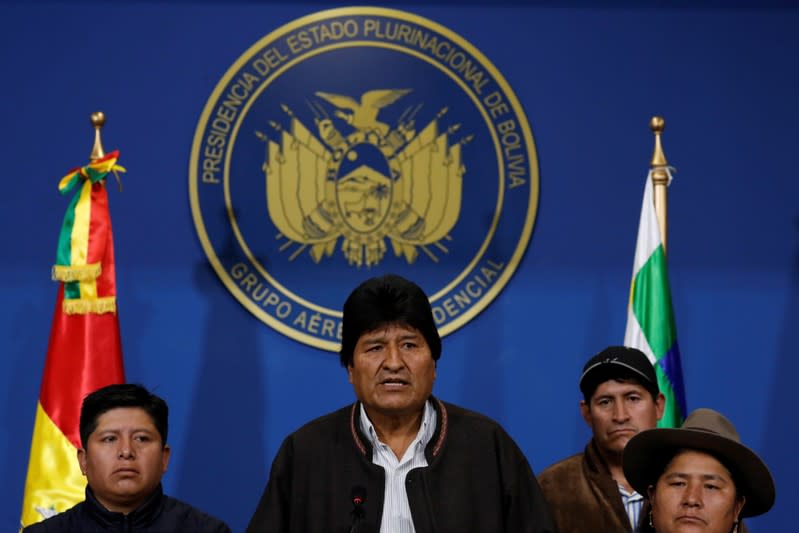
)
(396, 511)
(633, 503)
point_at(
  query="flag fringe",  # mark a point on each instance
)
(82, 306)
(68, 273)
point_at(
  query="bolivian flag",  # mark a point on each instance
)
(650, 318)
(84, 352)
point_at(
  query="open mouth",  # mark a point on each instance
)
(394, 382)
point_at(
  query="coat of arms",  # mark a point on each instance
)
(375, 183)
(355, 139)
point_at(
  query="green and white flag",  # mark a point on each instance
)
(650, 318)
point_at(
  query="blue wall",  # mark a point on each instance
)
(589, 79)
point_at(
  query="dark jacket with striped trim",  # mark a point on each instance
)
(477, 480)
(158, 514)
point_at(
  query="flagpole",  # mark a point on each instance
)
(84, 352)
(660, 178)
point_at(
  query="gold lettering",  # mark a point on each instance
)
(272, 299)
(328, 327)
(215, 153)
(438, 315)
(210, 169)
(301, 320)
(313, 324)
(511, 145)
(488, 273)
(258, 296)
(283, 310)
(369, 26)
(226, 112)
(238, 270)
(248, 281)
(449, 306)
(462, 299)
(473, 291)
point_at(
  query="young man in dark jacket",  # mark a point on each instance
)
(398, 460)
(123, 429)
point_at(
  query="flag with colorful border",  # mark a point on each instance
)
(84, 352)
(650, 317)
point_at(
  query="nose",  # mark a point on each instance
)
(620, 413)
(125, 449)
(692, 495)
(393, 360)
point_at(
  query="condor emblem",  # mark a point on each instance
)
(356, 142)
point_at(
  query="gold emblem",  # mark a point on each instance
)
(362, 138)
(408, 188)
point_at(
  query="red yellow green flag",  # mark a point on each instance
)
(84, 352)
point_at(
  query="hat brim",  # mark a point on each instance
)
(648, 452)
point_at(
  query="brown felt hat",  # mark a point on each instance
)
(647, 454)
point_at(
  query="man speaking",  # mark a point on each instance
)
(398, 459)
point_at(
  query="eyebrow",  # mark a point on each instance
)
(623, 394)
(121, 430)
(382, 337)
(714, 477)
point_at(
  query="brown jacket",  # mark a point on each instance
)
(583, 497)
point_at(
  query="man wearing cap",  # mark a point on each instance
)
(589, 491)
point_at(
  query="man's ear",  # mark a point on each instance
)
(349, 373)
(660, 405)
(82, 460)
(165, 455)
(585, 410)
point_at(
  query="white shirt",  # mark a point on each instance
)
(633, 503)
(396, 511)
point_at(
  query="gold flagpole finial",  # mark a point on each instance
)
(657, 125)
(660, 178)
(98, 121)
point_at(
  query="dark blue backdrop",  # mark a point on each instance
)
(589, 76)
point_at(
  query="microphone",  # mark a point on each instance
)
(358, 498)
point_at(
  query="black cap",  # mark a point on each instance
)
(618, 362)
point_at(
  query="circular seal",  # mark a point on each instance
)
(355, 142)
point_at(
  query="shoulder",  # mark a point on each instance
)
(180, 516)
(328, 429)
(460, 416)
(475, 431)
(562, 470)
(560, 481)
(336, 421)
(65, 521)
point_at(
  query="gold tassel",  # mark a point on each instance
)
(98, 306)
(77, 272)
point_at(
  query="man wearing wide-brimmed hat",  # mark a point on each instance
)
(588, 491)
(699, 476)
